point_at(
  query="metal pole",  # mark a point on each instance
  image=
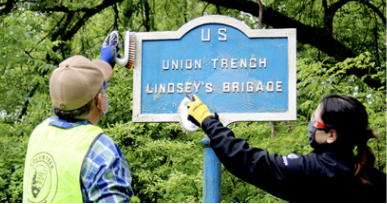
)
(212, 173)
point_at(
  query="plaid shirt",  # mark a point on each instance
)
(105, 173)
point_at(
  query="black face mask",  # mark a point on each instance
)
(312, 140)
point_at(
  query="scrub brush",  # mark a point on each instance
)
(186, 124)
(129, 51)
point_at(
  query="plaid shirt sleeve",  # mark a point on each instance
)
(105, 174)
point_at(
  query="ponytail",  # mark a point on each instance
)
(365, 157)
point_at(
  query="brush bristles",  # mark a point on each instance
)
(132, 50)
(181, 121)
(183, 128)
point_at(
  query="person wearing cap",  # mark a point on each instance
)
(69, 159)
(330, 173)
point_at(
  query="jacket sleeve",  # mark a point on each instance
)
(270, 172)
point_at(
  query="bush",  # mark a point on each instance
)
(166, 164)
(12, 157)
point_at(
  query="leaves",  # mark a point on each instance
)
(12, 156)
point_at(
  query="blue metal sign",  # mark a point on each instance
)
(241, 73)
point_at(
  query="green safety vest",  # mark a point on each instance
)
(54, 161)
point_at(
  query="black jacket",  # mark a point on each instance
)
(316, 177)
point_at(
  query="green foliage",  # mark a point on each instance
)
(165, 164)
(319, 79)
(12, 156)
(354, 24)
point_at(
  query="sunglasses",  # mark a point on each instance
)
(105, 85)
(319, 125)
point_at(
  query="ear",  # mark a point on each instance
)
(99, 102)
(332, 136)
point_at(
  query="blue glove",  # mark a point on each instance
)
(110, 48)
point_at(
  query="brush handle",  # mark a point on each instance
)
(124, 61)
(191, 97)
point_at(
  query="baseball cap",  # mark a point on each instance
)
(77, 81)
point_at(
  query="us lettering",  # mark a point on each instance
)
(206, 34)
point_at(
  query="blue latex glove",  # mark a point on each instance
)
(110, 48)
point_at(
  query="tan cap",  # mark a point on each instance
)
(77, 81)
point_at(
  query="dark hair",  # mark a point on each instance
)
(349, 118)
(77, 114)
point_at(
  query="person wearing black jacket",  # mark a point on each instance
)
(330, 173)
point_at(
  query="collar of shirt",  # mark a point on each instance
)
(66, 124)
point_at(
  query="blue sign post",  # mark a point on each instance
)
(240, 73)
(212, 174)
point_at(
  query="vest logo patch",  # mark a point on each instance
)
(42, 182)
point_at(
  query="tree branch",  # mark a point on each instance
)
(330, 13)
(272, 129)
(218, 9)
(376, 43)
(147, 16)
(315, 36)
(260, 14)
(376, 10)
(63, 28)
(65, 34)
(116, 17)
(31, 94)
(204, 9)
(8, 7)
(328, 17)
